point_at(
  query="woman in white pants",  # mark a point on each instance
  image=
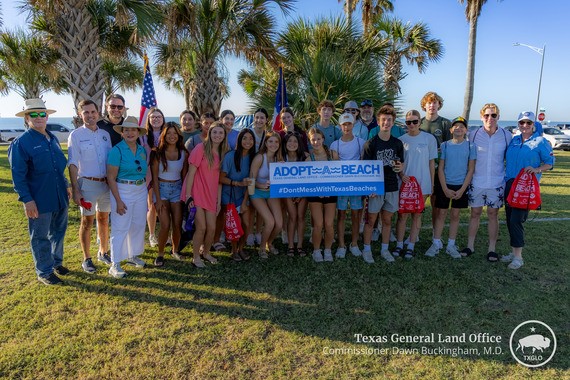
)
(126, 171)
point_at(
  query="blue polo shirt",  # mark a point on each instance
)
(122, 157)
(533, 152)
(38, 167)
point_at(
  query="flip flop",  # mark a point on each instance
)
(492, 257)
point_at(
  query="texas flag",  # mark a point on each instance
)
(148, 99)
(280, 102)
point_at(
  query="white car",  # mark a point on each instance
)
(60, 131)
(9, 134)
(556, 138)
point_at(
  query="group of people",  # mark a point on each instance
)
(127, 175)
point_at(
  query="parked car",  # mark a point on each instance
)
(565, 128)
(10, 134)
(60, 131)
(513, 129)
(557, 138)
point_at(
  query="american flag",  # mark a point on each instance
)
(148, 98)
(280, 102)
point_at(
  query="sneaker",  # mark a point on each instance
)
(152, 240)
(317, 256)
(258, 238)
(104, 258)
(284, 237)
(263, 254)
(136, 261)
(88, 266)
(355, 250)
(452, 251)
(328, 255)
(516, 263)
(52, 279)
(61, 270)
(177, 256)
(367, 256)
(507, 258)
(433, 250)
(116, 271)
(250, 240)
(340, 252)
(375, 234)
(386, 255)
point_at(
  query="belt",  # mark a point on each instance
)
(169, 180)
(136, 182)
(104, 179)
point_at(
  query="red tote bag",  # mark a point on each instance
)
(525, 192)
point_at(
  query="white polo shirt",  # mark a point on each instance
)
(88, 151)
(490, 164)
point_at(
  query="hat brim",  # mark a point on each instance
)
(119, 128)
(459, 122)
(24, 112)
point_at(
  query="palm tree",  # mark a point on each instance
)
(85, 31)
(121, 75)
(322, 59)
(371, 9)
(472, 12)
(215, 29)
(27, 66)
(409, 41)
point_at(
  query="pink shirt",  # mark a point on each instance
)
(205, 185)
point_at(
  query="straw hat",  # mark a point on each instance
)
(130, 122)
(34, 105)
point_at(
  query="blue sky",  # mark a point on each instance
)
(505, 74)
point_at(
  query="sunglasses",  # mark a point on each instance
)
(493, 115)
(527, 122)
(351, 110)
(116, 107)
(33, 115)
(139, 169)
(410, 122)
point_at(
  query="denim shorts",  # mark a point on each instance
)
(354, 200)
(169, 191)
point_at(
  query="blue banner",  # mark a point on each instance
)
(325, 178)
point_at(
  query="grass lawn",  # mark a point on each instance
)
(285, 317)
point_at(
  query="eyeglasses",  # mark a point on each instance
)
(493, 115)
(139, 169)
(33, 115)
(156, 117)
(410, 122)
(116, 107)
(527, 122)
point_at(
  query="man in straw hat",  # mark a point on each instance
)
(38, 165)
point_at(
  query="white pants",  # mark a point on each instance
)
(127, 230)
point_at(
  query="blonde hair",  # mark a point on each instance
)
(414, 113)
(208, 145)
(490, 105)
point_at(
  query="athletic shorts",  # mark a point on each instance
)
(479, 197)
(441, 201)
(388, 202)
(260, 194)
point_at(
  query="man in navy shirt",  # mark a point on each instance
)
(38, 165)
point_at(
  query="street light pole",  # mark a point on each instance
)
(542, 53)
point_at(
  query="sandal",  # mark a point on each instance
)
(198, 263)
(409, 254)
(492, 257)
(219, 247)
(236, 257)
(301, 252)
(397, 252)
(210, 258)
(291, 252)
(159, 261)
(244, 256)
(466, 252)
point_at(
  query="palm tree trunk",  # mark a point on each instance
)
(470, 78)
(206, 95)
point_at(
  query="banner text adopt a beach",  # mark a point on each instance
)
(325, 178)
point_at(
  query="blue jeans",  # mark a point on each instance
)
(46, 238)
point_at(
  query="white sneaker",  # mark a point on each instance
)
(328, 255)
(116, 271)
(250, 240)
(317, 256)
(375, 234)
(340, 252)
(152, 240)
(136, 261)
(433, 250)
(284, 237)
(516, 263)
(507, 258)
(367, 256)
(386, 255)
(452, 251)
(355, 250)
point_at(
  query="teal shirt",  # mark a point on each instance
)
(130, 167)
